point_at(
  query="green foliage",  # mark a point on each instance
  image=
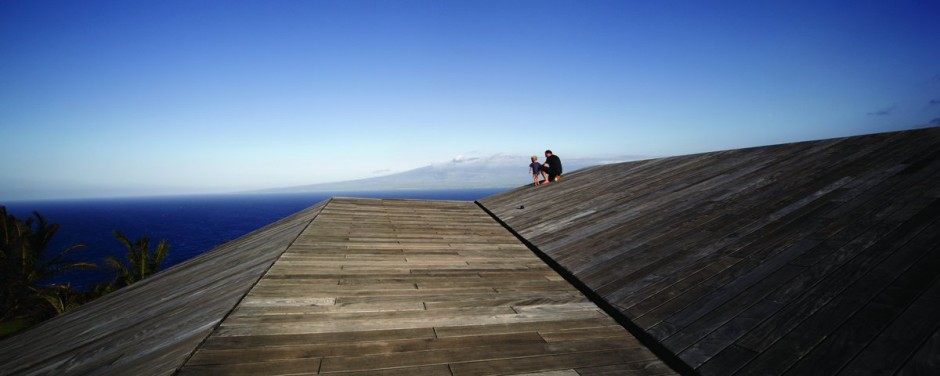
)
(141, 260)
(12, 326)
(62, 298)
(24, 264)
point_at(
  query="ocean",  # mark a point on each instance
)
(190, 224)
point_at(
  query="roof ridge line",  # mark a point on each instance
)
(234, 306)
(657, 348)
(400, 199)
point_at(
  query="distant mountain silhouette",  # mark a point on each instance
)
(495, 171)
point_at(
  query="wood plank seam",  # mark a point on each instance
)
(668, 357)
(912, 355)
(260, 277)
(884, 329)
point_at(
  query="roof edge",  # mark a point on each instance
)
(657, 348)
(153, 326)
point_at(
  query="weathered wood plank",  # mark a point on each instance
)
(150, 328)
(392, 287)
(720, 255)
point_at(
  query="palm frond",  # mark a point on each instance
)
(54, 301)
(122, 239)
(116, 265)
(80, 266)
(57, 258)
(159, 254)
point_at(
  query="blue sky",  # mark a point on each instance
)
(147, 97)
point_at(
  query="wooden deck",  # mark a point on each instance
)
(809, 258)
(394, 287)
(152, 327)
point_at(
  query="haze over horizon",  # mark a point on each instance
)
(119, 98)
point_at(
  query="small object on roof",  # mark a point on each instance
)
(521, 206)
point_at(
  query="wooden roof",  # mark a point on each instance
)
(349, 287)
(397, 287)
(814, 257)
(808, 258)
(152, 327)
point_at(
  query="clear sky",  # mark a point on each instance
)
(150, 97)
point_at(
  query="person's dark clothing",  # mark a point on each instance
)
(535, 168)
(554, 166)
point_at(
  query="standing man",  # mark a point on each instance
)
(552, 166)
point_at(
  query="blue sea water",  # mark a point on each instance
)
(191, 224)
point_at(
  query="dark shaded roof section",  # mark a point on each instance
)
(152, 327)
(407, 287)
(814, 257)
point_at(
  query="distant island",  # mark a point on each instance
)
(495, 171)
